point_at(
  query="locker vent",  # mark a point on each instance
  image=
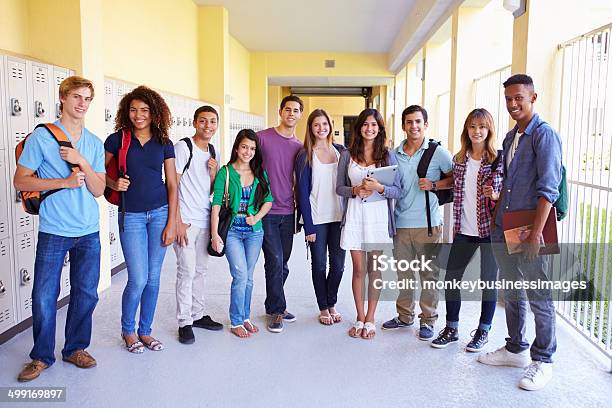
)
(67, 282)
(114, 257)
(2, 228)
(5, 315)
(41, 77)
(19, 136)
(25, 221)
(59, 78)
(27, 304)
(108, 90)
(17, 72)
(3, 249)
(25, 242)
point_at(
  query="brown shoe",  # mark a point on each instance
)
(31, 371)
(81, 359)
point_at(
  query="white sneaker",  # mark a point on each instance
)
(502, 357)
(536, 376)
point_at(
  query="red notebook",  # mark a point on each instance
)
(517, 219)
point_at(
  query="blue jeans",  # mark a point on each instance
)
(242, 251)
(141, 241)
(84, 277)
(517, 267)
(327, 243)
(277, 246)
(462, 251)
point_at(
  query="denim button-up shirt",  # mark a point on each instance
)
(535, 170)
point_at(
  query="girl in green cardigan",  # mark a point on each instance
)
(250, 198)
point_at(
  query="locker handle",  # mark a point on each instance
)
(58, 111)
(26, 278)
(2, 288)
(112, 237)
(66, 260)
(39, 109)
(107, 115)
(15, 107)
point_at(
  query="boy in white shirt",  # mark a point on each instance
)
(196, 169)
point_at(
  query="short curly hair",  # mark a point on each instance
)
(161, 118)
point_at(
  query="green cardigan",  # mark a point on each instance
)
(235, 191)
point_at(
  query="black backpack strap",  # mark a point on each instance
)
(211, 150)
(422, 172)
(495, 162)
(187, 141)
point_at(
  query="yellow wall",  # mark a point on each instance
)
(13, 23)
(240, 75)
(152, 44)
(335, 106)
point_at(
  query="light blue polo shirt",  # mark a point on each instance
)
(71, 212)
(410, 208)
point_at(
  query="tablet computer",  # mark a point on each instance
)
(384, 175)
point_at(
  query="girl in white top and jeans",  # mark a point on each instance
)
(316, 168)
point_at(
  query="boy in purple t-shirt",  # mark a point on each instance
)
(279, 147)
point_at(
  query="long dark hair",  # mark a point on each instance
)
(160, 113)
(380, 143)
(256, 164)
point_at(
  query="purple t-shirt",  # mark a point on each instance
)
(278, 157)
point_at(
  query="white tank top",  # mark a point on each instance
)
(325, 204)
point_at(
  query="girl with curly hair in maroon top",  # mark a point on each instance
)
(150, 205)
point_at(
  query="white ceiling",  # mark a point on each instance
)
(316, 25)
(398, 28)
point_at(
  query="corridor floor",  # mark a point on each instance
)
(307, 365)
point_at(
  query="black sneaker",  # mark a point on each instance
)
(479, 339)
(275, 325)
(207, 323)
(288, 317)
(445, 337)
(186, 335)
(395, 323)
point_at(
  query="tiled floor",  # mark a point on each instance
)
(306, 365)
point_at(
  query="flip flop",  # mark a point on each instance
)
(253, 329)
(368, 328)
(154, 345)
(336, 317)
(240, 326)
(358, 326)
(136, 347)
(326, 320)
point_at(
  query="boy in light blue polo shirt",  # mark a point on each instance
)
(412, 239)
(68, 223)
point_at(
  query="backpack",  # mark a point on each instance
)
(490, 203)
(443, 196)
(32, 200)
(562, 203)
(187, 140)
(117, 167)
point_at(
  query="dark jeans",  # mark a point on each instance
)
(462, 251)
(84, 277)
(326, 285)
(517, 302)
(277, 245)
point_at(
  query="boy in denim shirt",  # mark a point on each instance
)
(533, 172)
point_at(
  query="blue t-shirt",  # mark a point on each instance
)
(410, 208)
(147, 190)
(71, 212)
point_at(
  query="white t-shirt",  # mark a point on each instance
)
(469, 221)
(513, 148)
(325, 204)
(194, 187)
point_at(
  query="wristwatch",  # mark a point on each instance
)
(433, 186)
